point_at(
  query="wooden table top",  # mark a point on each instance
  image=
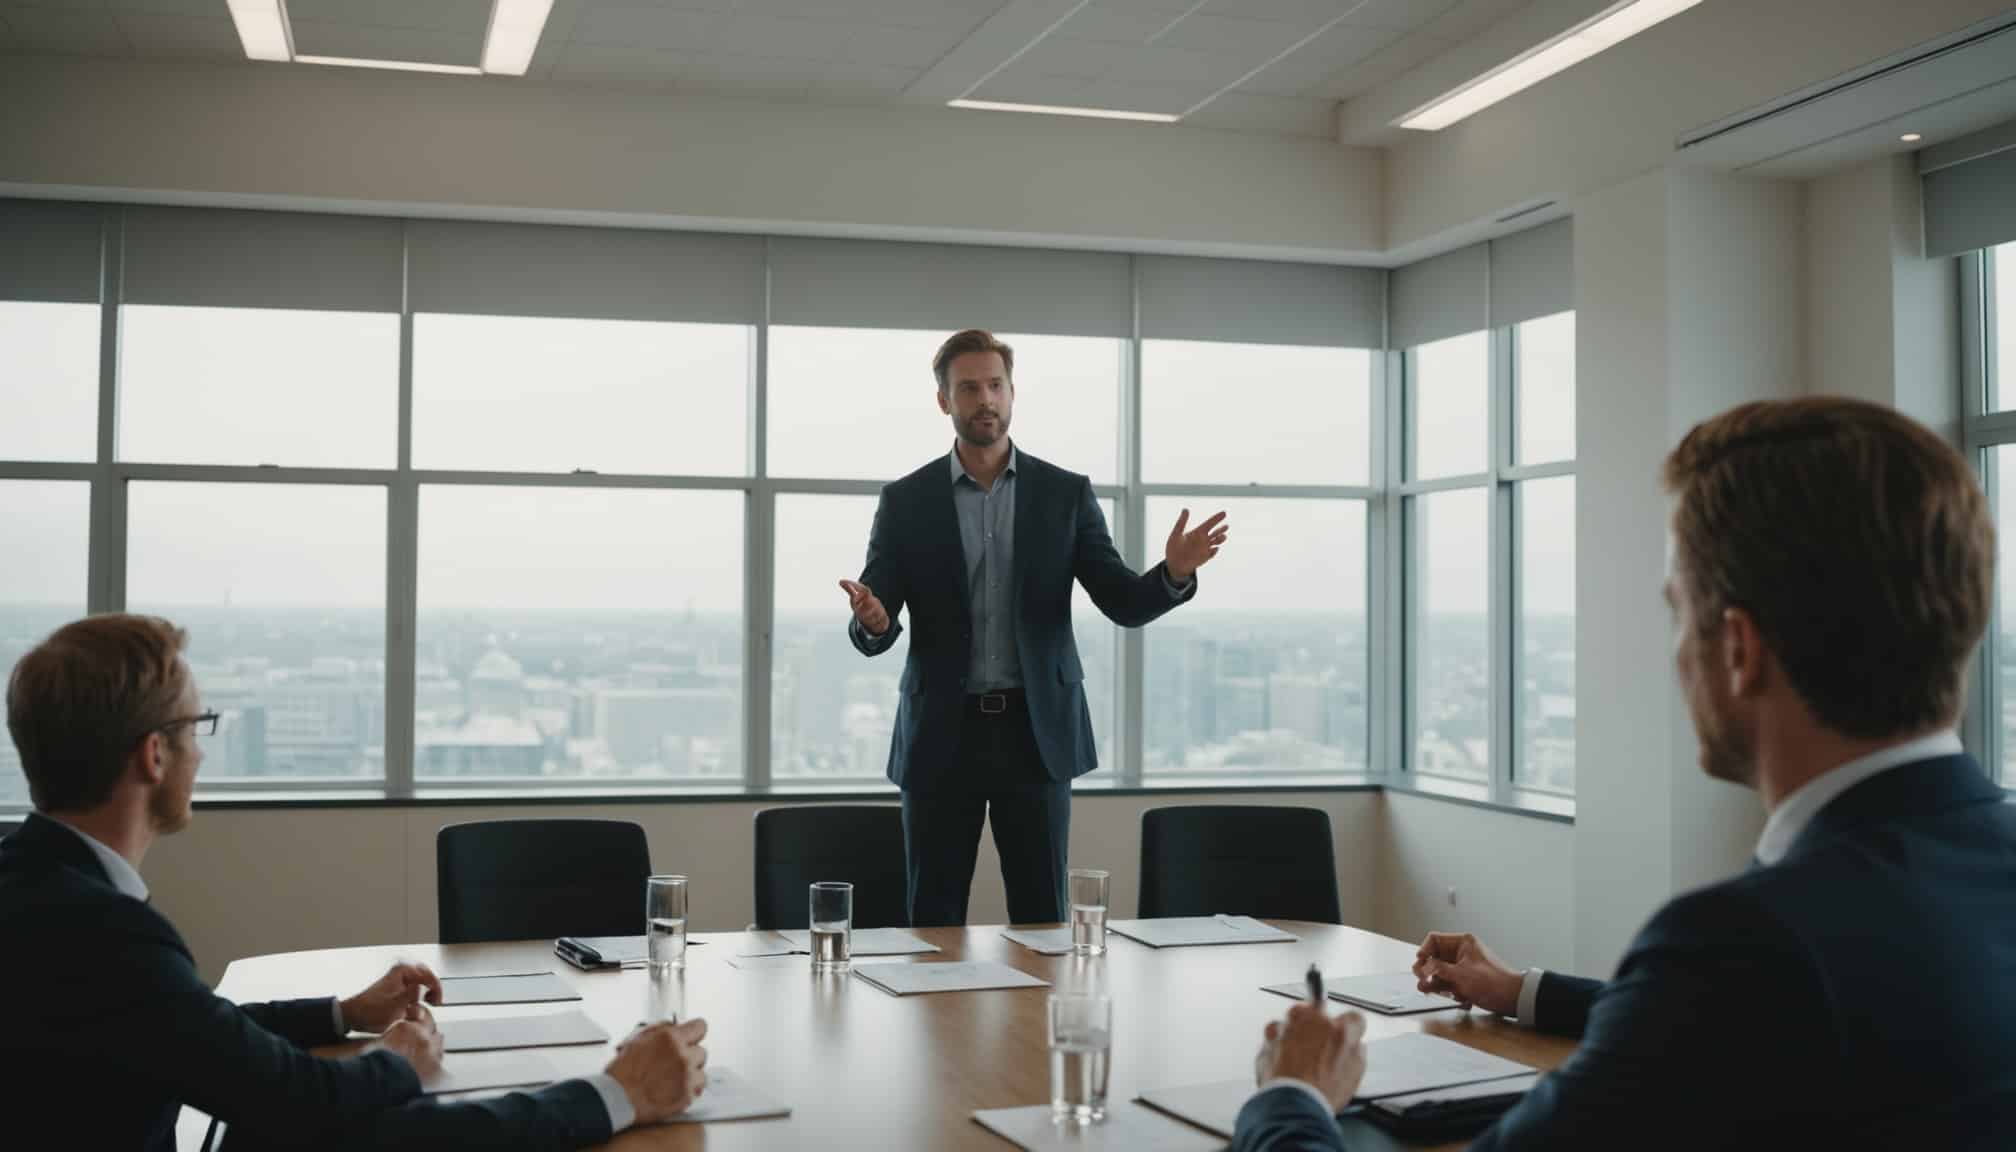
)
(861, 1068)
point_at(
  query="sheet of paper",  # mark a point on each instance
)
(1389, 993)
(870, 942)
(1189, 931)
(530, 988)
(767, 944)
(1127, 1126)
(468, 1071)
(485, 1033)
(796, 961)
(622, 949)
(1046, 941)
(729, 1097)
(960, 976)
(1411, 1062)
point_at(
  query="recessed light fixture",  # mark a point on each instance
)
(1065, 110)
(509, 39)
(1910, 137)
(1612, 26)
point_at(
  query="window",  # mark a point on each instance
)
(1448, 407)
(282, 590)
(1450, 621)
(542, 394)
(51, 357)
(1297, 415)
(861, 403)
(38, 598)
(1267, 673)
(1544, 371)
(1545, 651)
(578, 632)
(1990, 360)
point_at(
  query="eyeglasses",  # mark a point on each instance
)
(206, 724)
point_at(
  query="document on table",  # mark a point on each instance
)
(470, 1071)
(959, 976)
(520, 988)
(729, 1097)
(491, 1032)
(767, 944)
(1390, 993)
(796, 961)
(869, 942)
(1044, 941)
(1186, 931)
(1395, 1066)
(1127, 1125)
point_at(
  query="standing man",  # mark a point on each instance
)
(991, 713)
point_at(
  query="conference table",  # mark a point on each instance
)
(861, 1068)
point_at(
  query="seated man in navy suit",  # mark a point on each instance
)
(1830, 575)
(110, 1030)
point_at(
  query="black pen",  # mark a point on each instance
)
(1315, 985)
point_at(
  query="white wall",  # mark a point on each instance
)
(1617, 115)
(370, 140)
(1513, 877)
(248, 881)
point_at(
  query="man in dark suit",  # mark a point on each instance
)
(991, 716)
(109, 1030)
(1830, 577)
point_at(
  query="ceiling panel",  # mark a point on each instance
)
(66, 30)
(634, 26)
(866, 78)
(896, 45)
(186, 37)
(1248, 111)
(1236, 35)
(1318, 63)
(1400, 13)
(377, 42)
(461, 17)
(609, 60)
(721, 72)
(1403, 56)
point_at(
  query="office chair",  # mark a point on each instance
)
(540, 879)
(1240, 860)
(861, 844)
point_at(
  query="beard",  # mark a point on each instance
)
(1728, 747)
(168, 806)
(973, 432)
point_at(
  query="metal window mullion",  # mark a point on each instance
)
(759, 564)
(105, 563)
(1538, 471)
(1447, 483)
(402, 567)
(1264, 491)
(584, 480)
(1982, 729)
(1501, 606)
(1379, 589)
(1133, 511)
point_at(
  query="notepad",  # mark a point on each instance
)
(729, 1097)
(1388, 993)
(473, 1070)
(1127, 1125)
(520, 988)
(1189, 931)
(1395, 1066)
(491, 1032)
(1044, 941)
(957, 976)
(869, 942)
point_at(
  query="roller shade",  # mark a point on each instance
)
(584, 273)
(1971, 205)
(261, 260)
(1532, 274)
(941, 287)
(49, 252)
(1445, 296)
(1256, 302)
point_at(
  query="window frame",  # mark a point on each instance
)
(1982, 431)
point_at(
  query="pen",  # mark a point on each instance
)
(1315, 985)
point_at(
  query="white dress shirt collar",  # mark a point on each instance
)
(123, 875)
(1796, 811)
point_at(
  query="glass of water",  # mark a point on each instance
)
(1088, 911)
(665, 921)
(832, 925)
(1081, 1049)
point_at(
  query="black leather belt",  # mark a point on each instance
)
(995, 703)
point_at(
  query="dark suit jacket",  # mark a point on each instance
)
(915, 557)
(106, 1030)
(1861, 993)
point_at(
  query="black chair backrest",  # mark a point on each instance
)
(540, 879)
(861, 844)
(1240, 861)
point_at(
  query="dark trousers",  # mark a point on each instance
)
(1000, 774)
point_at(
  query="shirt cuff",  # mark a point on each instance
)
(1529, 996)
(1322, 1101)
(614, 1099)
(336, 1018)
(1176, 590)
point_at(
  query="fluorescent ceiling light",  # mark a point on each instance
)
(1061, 110)
(515, 27)
(262, 28)
(394, 65)
(1613, 26)
(1910, 137)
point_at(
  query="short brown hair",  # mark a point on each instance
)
(964, 344)
(1859, 542)
(80, 701)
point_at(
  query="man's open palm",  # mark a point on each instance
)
(1192, 549)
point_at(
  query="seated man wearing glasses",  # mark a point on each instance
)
(109, 1030)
